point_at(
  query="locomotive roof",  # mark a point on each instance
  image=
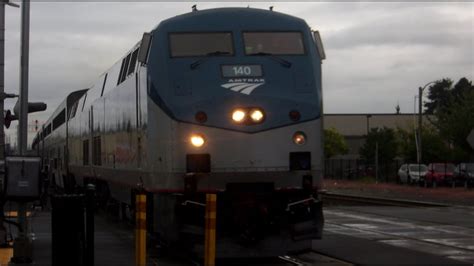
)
(70, 99)
(230, 17)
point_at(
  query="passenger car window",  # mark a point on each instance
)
(200, 44)
(275, 43)
(72, 112)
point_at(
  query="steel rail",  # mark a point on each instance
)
(291, 260)
(379, 200)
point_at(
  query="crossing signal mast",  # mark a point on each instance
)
(3, 95)
(22, 244)
(32, 108)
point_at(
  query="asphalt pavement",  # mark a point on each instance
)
(359, 235)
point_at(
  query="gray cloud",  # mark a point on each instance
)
(378, 53)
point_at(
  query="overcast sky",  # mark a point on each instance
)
(378, 54)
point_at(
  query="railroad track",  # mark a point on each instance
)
(305, 259)
(313, 258)
(291, 260)
(331, 196)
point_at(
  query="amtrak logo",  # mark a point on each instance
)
(245, 86)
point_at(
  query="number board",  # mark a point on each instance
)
(233, 71)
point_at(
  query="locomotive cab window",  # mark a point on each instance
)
(201, 44)
(274, 43)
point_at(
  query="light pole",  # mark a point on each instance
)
(22, 245)
(368, 117)
(416, 131)
(3, 3)
(420, 117)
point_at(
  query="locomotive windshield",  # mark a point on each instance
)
(201, 44)
(274, 43)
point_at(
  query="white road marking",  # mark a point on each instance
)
(454, 242)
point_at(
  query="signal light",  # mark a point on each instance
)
(201, 117)
(9, 117)
(32, 108)
(295, 115)
(299, 138)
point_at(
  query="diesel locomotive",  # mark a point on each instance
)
(225, 101)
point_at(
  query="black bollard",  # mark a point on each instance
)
(67, 222)
(90, 191)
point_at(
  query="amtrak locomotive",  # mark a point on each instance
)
(225, 101)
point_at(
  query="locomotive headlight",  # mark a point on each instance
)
(197, 140)
(256, 115)
(299, 138)
(238, 115)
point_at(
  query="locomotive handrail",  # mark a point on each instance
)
(311, 198)
(193, 202)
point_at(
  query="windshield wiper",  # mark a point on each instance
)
(280, 60)
(207, 56)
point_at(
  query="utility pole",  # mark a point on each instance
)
(376, 162)
(368, 128)
(420, 117)
(3, 3)
(24, 67)
(416, 131)
(22, 246)
(2, 77)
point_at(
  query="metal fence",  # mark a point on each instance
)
(353, 169)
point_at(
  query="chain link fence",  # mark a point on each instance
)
(354, 169)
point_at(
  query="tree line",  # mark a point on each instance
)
(448, 120)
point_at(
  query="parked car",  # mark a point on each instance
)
(439, 173)
(464, 174)
(412, 173)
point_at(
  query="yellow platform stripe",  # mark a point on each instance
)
(210, 230)
(140, 230)
(141, 206)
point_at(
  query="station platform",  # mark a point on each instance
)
(114, 242)
(344, 240)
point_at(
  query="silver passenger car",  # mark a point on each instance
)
(412, 173)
